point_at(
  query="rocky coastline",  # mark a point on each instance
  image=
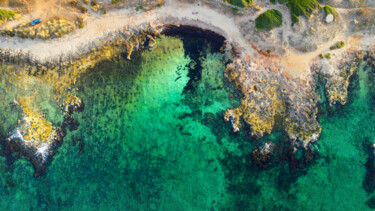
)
(271, 97)
(39, 142)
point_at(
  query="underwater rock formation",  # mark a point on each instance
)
(270, 97)
(262, 156)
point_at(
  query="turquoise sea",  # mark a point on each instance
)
(152, 137)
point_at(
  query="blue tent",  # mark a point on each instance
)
(36, 21)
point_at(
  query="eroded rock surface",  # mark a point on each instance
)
(270, 97)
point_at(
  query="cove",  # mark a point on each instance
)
(149, 137)
(152, 137)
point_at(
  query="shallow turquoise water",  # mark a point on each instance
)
(152, 137)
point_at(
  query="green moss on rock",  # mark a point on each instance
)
(269, 20)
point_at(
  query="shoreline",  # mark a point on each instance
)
(275, 88)
(177, 13)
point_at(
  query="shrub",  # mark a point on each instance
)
(338, 45)
(93, 3)
(269, 20)
(329, 10)
(328, 56)
(300, 7)
(6, 14)
(83, 9)
(115, 1)
(240, 3)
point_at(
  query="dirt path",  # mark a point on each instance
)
(115, 20)
(296, 63)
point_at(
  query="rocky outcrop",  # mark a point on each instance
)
(36, 138)
(336, 73)
(270, 97)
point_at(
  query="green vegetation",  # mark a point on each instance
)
(115, 1)
(83, 9)
(6, 14)
(93, 3)
(321, 56)
(338, 45)
(329, 10)
(328, 56)
(300, 7)
(139, 8)
(269, 20)
(77, 5)
(80, 23)
(240, 3)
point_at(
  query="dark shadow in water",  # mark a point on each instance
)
(197, 43)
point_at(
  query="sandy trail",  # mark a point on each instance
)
(296, 63)
(115, 20)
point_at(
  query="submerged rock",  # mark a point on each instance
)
(262, 156)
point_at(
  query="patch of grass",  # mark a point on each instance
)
(269, 20)
(240, 3)
(329, 10)
(338, 45)
(6, 14)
